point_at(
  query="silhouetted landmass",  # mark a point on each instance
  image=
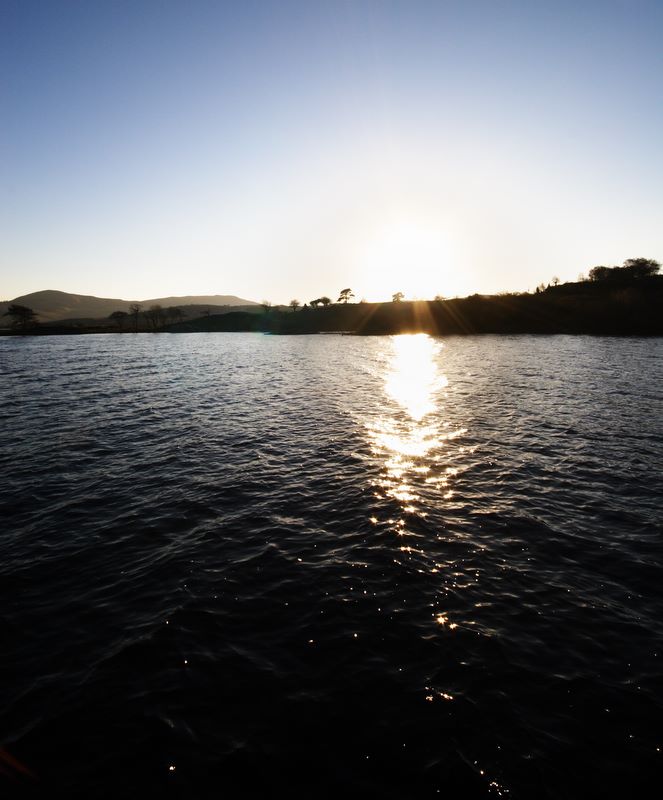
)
(616, 302)
(51, 305)
(588, 307)
(233, 321)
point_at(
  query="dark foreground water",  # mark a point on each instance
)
(235, 565)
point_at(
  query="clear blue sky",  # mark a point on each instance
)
(290, 149)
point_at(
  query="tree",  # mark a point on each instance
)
(599, 273)
(555, 281)
(155, 316)
(641, 267)
(345, 295)
(325, 301)
(22, 316)
(633, 269)
(119, 318)
(398, 297)
(294, 304)
(134, 310)
(174, 313)
(315, 303)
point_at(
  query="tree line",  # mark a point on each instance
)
(324, 301)
(154, 318)
(632, 269)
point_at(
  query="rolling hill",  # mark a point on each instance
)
(51, 305)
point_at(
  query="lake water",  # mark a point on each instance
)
(397, 567)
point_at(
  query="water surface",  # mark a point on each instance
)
(333, 566)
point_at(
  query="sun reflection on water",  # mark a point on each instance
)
(420, 453)
(410, 428)
(414, 379)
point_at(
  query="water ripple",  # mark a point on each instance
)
(389, 566)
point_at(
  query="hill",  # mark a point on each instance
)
(51, 305)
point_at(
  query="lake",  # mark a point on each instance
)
(395, 567)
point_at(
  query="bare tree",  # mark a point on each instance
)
(294, 304)
(134, 310)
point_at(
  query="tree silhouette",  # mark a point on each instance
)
(294, 304)
(599, 273)
(155, 316)
(345, 295)
(119, 318)
(398, 297)
(134, 310)
(641, 267)
(315, 303)
(22, 316)
(632, 269)
(174, 313)
(325, 301)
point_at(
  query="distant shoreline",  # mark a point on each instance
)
(610, 308)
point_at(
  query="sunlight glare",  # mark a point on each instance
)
(408, 257)
(414, 378)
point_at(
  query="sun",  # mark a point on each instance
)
(409, 257)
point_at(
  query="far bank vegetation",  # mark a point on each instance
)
(619, 300)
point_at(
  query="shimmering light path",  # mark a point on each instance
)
(410, 432)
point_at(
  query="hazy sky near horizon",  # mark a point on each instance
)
(291, 149)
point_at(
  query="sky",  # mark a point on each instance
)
(280, 150)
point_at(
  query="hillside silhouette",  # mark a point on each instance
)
(52, 305)
(626, 300)
(611, 307)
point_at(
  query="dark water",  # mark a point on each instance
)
(236, 565)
